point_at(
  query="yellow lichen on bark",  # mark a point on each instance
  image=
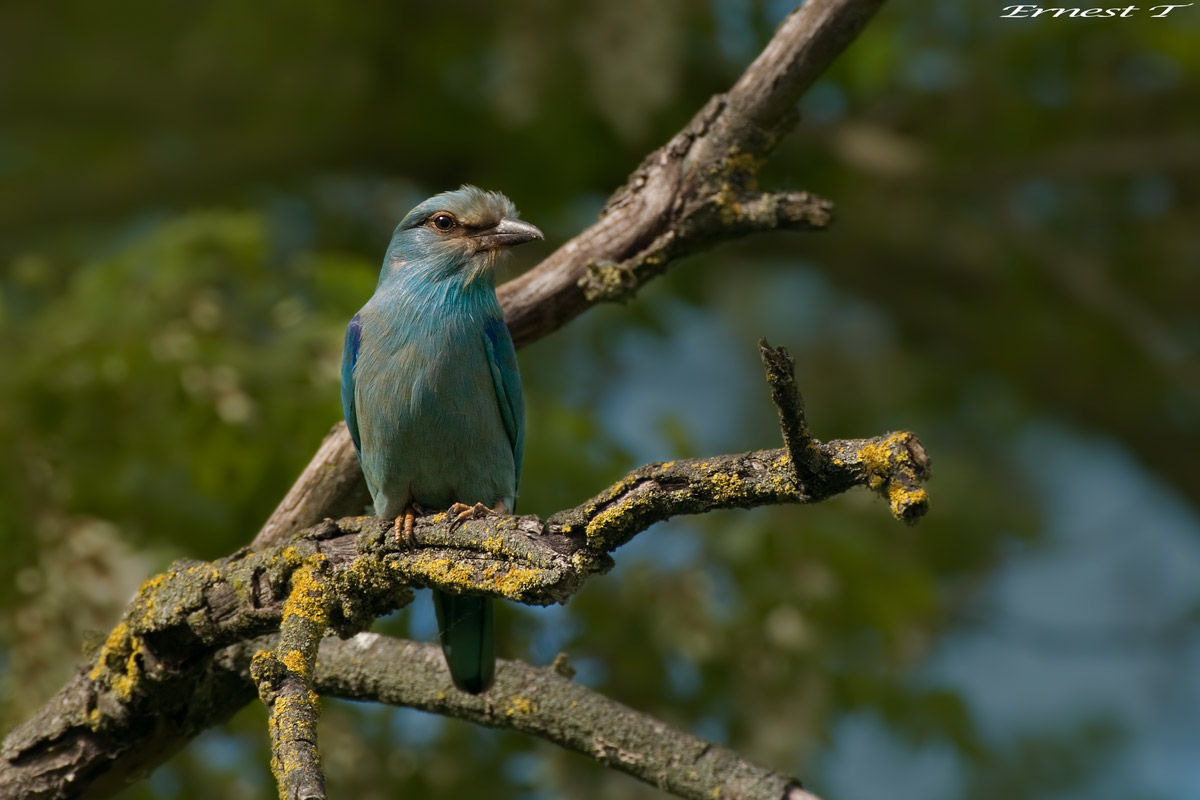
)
(118, 640)
(307, 598)
(119, 664)
(512, 581)
(739, 160)
(613, 516)
(150, 585)
(519, 706)
(294, 661)
(901, 498)
(879, 460)
(725, 485)
(446, 570)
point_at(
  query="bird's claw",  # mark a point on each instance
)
(461, 512)
(404, 528)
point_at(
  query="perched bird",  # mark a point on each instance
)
(431, 391)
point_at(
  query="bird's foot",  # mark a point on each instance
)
(461, 512)
(404, 527)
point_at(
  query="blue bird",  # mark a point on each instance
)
(431, 391)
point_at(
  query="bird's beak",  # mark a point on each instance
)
(506, 233)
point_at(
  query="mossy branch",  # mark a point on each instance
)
(545, 702)
(284, 678)
(346, 573)
(697, 190)
(162, 676)
(730, 211)
(894, 465)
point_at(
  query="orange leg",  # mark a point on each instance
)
(461, 512)
(404, 527)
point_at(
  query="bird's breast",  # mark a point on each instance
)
(429, 419)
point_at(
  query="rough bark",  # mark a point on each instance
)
(167, 672)
(545, 702)
(284, 677)
(161, 655)
(693, 192)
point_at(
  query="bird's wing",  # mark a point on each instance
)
(349, 359)
(502, 357)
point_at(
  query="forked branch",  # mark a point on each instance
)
(346, 573)
(692, 193)
(165, 673)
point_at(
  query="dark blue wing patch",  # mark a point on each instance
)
(349, 359)
(507, 380)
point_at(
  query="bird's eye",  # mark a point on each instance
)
(443, 222)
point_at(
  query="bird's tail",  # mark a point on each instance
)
(466, 630)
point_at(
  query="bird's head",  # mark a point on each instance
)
(460, 234)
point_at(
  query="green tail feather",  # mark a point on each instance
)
(468, 640)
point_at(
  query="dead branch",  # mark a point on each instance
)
(692, 193)
(159, 679)
(179, 621)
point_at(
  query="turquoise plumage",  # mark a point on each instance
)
(431, 390)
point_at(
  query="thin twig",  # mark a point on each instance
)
(781, 377)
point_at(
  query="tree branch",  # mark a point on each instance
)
(157, 681)
(285, 684)
(698, 188)
(781, 377)
(894, 465)
(693, 192)
(169, 634)
(544, 702)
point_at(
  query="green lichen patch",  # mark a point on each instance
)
(365, 590)
(607, 281)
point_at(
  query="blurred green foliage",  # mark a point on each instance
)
(194, 199)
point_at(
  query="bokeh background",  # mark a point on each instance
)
(194, 198)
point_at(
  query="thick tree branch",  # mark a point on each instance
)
(699, 186)
(157, 680)
(692, 193)
(179, 619)
(158, 661)
(544, 702)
